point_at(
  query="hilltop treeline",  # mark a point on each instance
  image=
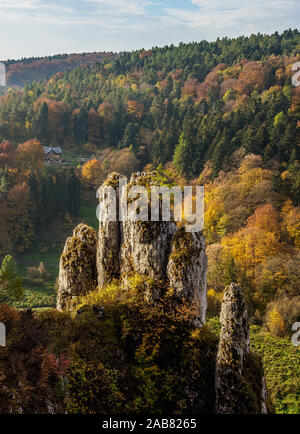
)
(201, 99)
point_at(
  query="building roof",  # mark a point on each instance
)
(56, 149)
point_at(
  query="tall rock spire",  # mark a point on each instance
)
(235, 365)
(77, 266)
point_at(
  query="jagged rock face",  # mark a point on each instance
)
(233, 358)
(167, 258)
(145, 251)
(234, 327)
(109, 237)
(77, 267)
(146, 245)
(159, 251)
(108, 263)
(264, 396)
(132, 247)
(187, 268)
(146, 248)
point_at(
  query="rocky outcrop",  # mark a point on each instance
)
(109, 235)
(186, 270)
(166, 259)
(146, 245)
(77, 266)
(237, 371)
(159, 252)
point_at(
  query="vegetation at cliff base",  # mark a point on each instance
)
(113, 358)
(121, 356)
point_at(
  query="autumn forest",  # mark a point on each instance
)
(222, 114)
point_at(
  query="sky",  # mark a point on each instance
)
(46, 27)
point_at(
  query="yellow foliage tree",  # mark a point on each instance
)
(92, 173)
(291, 222)
(134, 109)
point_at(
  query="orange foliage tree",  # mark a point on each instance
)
(7, 153)
(18, 220)
(291, 221)
(106, 110)
(30, 155)
(253, 76)
(92, 173)
(134, 109)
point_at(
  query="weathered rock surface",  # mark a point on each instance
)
(233, 358)
(161, 253)
(109, 236)
(146, 245)
(77, 267)
(158, 251)
(166, 258)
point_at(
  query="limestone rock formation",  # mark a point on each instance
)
(160, 252)
(186, 270)
(108, 249)
(233, 358)
(77, 267)
(167, 259)
(127, 247)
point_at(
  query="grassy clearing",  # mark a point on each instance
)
(73, 157)
(40, 293)
(281, 365)
(34, 256)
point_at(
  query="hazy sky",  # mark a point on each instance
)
(42, 27)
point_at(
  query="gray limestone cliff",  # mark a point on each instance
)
(169, 260)
(108, 244)
(186, 270)
(146, 245)
(237, 369)
(164, 255)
